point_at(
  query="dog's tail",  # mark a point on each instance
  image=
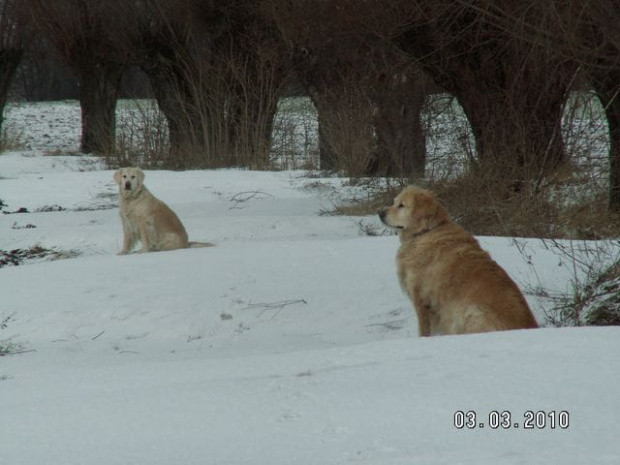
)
(194, 245)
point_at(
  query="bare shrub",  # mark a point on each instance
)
(8, 347)
(365, 205)
(142, 138)
(449, 138)
(605, 309)
(594, 298)
(345, 119)
(36, 252)
(10, 140)
(216, 70)
(295, 135)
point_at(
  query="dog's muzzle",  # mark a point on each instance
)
(383, 215)
(127, 186)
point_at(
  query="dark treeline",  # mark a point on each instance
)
(218, 68)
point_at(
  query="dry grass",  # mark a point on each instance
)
(605, 293)
(483, 207)
(19, 256)
(363, 207)
(10, 141)
(594, 300)
(142, 136)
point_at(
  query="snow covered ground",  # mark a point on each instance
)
(289, 342)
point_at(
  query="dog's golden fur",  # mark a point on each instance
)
(455, 286)
(147, 219)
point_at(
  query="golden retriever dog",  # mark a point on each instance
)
(147, 219)
(455, 286)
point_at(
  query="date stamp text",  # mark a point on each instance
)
(529, 420)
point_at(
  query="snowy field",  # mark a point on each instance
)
(289, 342)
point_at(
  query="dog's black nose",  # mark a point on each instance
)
(127, 186)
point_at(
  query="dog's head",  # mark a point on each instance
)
(414, 212)
(129, 180)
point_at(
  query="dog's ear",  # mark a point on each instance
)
(440, 215)
(140, 175)
(117, 176)
(427, 212)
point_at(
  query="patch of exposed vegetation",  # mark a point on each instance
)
(8, 347)
(594, 302)
(17, 257)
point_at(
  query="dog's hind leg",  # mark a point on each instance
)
(171, 241)
(474, 319)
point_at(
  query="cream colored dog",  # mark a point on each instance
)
(455, 286)
(147, 219)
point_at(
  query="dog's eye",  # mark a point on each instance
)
(133, 177)
(401, 205)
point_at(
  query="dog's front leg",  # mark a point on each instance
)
(129, 238)
(424, 316)
(144, 237)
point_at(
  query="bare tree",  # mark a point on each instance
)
(592, 37)
(87, 34)
(216, 71)
(494, 57)
(250, 55)
(162, 35)
(242, 61)
(15, 33)
(367, 95)
(398, 97)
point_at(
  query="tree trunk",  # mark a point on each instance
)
(511, 89)
(249, 116)
(613, 120)
(327, 157)
(346, 140)
(605, 82)
(9, 60)
(261, 112)
(98, 96)
(175, 94)
(401, 139)
(515, 140)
